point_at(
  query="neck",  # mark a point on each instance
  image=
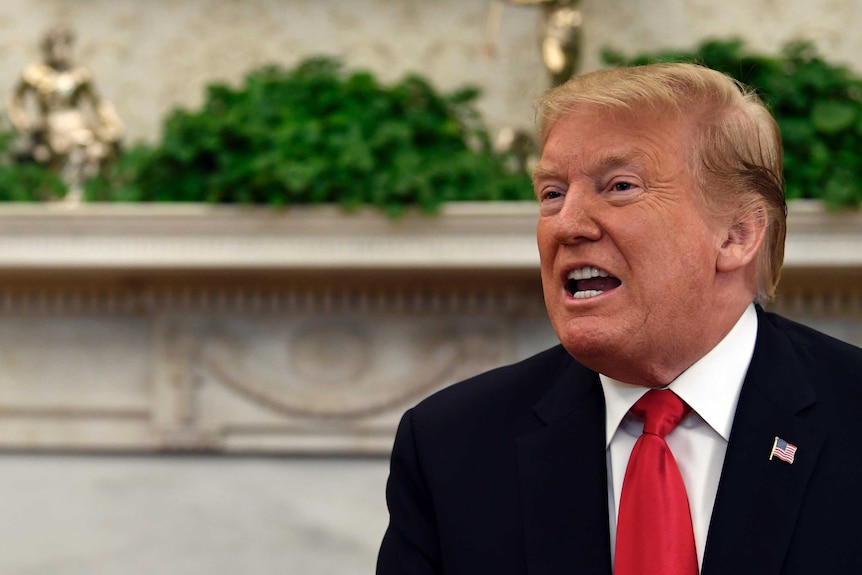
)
(667, 359)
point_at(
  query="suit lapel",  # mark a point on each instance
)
(758, 499)
(563, 478)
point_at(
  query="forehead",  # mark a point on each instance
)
(591, 138)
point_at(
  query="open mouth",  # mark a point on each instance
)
(588, 281)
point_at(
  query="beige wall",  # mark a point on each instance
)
(633, 25)
(149, 56)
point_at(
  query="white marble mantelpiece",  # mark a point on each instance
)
(210, 328)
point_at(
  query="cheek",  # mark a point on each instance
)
(548, 280)
(679, 240)
(685, 270)
(547, 247)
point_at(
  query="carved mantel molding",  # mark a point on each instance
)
(153, 327)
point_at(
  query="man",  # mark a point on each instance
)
(662, 219)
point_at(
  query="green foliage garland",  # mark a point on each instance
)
(317, 134)
(818, 107)
(27, 182)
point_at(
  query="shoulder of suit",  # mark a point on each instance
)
(831, 366)
(521, 382)
(806, 339)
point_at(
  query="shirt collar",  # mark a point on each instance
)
(710, 386)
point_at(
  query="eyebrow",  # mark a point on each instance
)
(541, 172)
(599, 163)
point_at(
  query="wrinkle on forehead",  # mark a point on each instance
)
(607, 160)
(565, 156)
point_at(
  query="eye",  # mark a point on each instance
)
(550, 194)
(623, 189)
(623, 186)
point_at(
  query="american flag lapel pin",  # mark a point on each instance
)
(782, 450)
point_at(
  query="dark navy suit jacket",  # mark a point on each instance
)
(505, 473)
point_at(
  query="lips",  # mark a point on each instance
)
(589, 281)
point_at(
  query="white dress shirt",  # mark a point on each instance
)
(711, 387)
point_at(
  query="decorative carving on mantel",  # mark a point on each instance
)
(220, 374)
(820, 303)
(317, 381)
(210, 297)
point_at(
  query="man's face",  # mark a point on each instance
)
(628, 257)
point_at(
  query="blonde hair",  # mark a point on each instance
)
(737, 154)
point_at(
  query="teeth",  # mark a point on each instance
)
(587, 272)
(584, 273)
(586, 294)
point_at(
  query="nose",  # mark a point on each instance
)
(576, 220)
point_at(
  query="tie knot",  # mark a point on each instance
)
(661, 410)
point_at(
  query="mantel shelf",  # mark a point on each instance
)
(463, 236)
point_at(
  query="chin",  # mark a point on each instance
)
(585, 349)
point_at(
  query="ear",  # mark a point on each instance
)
(741, 241)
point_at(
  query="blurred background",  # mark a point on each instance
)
(238, 238)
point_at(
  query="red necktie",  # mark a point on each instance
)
(654, 533)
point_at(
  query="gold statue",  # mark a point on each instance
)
(561, 34)
(63, 121)
(561, 51)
